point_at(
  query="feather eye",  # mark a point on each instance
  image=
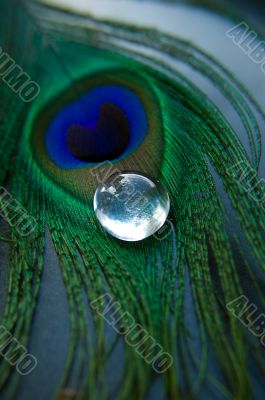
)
(107, 115)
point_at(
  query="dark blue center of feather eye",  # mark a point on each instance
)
(105, 141)
(105, 123)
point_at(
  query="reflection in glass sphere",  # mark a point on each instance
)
(131, 206)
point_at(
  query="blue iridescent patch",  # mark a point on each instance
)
(84, 112)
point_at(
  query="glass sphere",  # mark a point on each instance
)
(131, 206)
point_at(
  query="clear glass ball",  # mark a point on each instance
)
(131, 206)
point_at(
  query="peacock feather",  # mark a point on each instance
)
(103, 79)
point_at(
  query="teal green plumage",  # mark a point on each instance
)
(186, 138)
